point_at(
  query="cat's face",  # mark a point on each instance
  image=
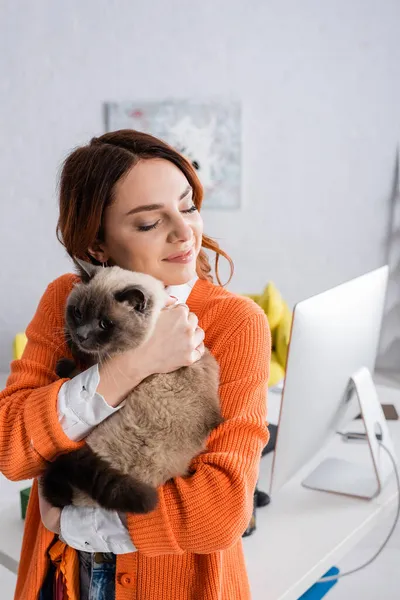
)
(112, 310)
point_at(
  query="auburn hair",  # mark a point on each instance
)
(87, 183)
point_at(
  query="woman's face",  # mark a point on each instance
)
(153, 226)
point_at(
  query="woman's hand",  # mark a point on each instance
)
(177, 342)
(51, 515)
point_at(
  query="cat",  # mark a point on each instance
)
(167, 417)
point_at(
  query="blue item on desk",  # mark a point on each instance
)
(319, 589)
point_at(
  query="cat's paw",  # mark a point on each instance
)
(65, 367)
(128, 495)
(138, 505)
(56, 491)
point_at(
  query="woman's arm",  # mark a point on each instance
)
(30, 431)
(87, 529)
(80, 409)
(210, 509)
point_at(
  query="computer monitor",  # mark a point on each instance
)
(333, 335)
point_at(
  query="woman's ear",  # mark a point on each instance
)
(98, 252)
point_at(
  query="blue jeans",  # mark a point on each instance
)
(46, 592)
(96, 576)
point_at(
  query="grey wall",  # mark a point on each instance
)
(320, 89)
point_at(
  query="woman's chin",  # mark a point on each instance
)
(177, 274)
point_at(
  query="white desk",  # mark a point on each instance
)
(7, 582)
(303, 533)
(299, 536)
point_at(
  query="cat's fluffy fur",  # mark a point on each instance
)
(166, 419)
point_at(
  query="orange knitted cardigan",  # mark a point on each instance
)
(190, 546)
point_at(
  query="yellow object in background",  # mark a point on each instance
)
(19, 345)
(280, 322)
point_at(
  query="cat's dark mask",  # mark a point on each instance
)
(106, 320)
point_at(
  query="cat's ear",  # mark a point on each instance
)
(86, 270)
(134, 296)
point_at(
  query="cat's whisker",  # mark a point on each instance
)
(63, 338)
(60, 331)
(117, 368)
(124, 375)
(58, 347)
(108, 370)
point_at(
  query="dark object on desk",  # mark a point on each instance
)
(273, 429)
(252, 525)
(390, 412)
(260, 498)
(24, 499)
(353, 436)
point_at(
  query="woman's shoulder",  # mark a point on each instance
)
(64, 283)
(50, 310)
(59, 289)
(223, 311)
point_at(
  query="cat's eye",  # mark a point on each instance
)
(105, 324)
(77, 313)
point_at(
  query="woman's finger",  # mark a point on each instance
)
(198, 352)
(181, 306)
(198, 337)
(193, 321)
(170, 301)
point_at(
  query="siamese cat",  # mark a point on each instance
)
(166, 419)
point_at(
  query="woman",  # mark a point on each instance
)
(128, 199)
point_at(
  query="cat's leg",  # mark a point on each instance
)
(66, 367)
(55, 487)
(88, 472)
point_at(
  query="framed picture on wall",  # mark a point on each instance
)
(206, 133)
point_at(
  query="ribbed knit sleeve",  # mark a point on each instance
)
(30, 432)
(210, 509)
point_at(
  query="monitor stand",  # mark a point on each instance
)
(351, 479)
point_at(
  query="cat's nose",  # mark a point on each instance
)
(82, 333)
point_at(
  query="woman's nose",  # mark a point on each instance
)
(180, 231)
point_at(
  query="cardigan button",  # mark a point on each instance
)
(127, 580)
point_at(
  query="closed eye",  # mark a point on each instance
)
(192, 209)
(148, 227)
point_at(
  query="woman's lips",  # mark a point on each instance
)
(182, 257)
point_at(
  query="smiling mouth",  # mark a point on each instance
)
(181, 256)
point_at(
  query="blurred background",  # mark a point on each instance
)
(319, 93)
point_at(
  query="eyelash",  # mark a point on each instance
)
(190, 210)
